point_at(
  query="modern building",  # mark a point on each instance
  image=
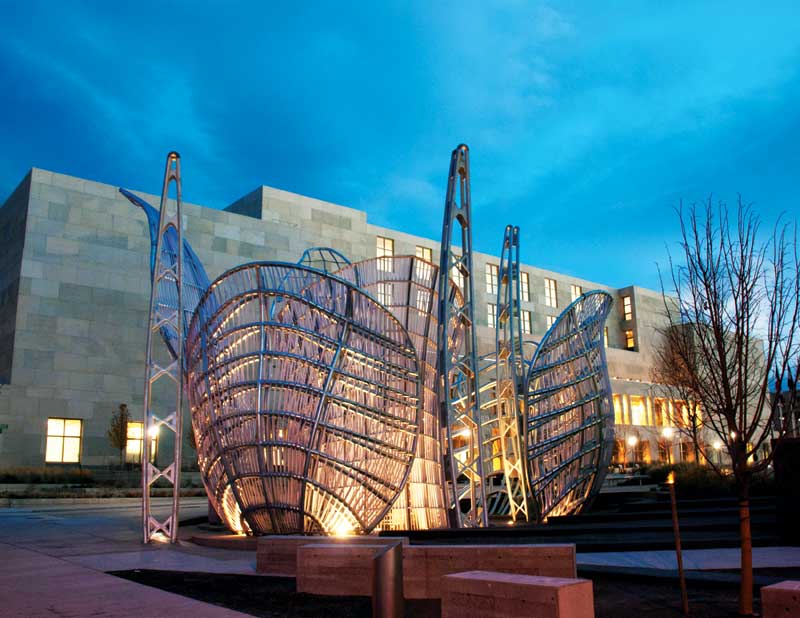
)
(74, 299)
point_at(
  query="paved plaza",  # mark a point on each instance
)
(55, 560)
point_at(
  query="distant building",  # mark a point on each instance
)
(74, 297)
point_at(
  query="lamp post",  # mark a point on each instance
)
(678, 554)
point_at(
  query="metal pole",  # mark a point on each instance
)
(678, 554)
(387, 585)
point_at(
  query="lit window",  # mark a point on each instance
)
(63, 440)
(456, 275)
(575, 291)
(135, 442)
(605, 336)
(627, 308)
(385, 293)
(525, 287)
(526, 322)
(385, 251)
(551, 319)
(491, 278)
(492, 315)
(550, 293)
(618, 414)
(425, 253)
(630, 343)
(637, 410)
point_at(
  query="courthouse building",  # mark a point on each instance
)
(74, 300)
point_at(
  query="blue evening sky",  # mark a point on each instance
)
(588, 122)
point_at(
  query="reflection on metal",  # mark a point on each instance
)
(569, 434)
(323, 258)
(408, 287)
(166, 317)
(306, 401)
(458, 364)
(504, 415)
(194, 280)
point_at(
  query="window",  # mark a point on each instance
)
(550, 293)
(619, 415)
(425, 253)
(491, 279)
(492, 315)
(630, 343)
(627, 307)
(385, 293)
(605, 336)
(575, 291)
(551, 319)
(526, 322)
(135, 444)
(63, 440)
(385, 251)
(525, 287)
(638, 412)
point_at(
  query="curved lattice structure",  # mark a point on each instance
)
(323, 258)
(306, 398)
(408, 287)
(570, 425)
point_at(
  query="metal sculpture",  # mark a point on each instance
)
(502, 426)
(306, 401)
(408, 287)
(166, 318)
(329, 397)
(460, 394)
(326, 259)
(569, 433)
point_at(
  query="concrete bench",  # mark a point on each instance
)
(425, 565)
(482, 594)
(781, 599)
(277, 554)
(337, 569)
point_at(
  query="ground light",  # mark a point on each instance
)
(678, 554)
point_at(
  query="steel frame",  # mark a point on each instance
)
(164, 318)
(569, 434)
(505, 418)
(460, 395)
(306, 398)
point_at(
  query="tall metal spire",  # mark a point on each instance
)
(166, 316)
(460, 393)
(509, 407)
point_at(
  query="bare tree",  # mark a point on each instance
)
(118, 430)
(732, 341)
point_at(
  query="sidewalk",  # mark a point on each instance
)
(35, 585)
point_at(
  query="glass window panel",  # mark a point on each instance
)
(135, 430)
(492, 315)
(54, 450)
(525, 287)
(627, 307)
(491, 278)
(72, 428)
(550, 293)
(526, 322)
(575, 291)
(72, 450)
(55, 426)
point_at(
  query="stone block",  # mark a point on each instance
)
(482, 594)
(277, 554)
(336, 569)
(425, 565)
(781, 600)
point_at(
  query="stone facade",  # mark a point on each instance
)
(74, 296)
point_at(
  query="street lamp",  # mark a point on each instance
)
(632, 442)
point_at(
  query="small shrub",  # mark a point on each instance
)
(55, 475)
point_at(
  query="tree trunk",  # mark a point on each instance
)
(746, 590)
